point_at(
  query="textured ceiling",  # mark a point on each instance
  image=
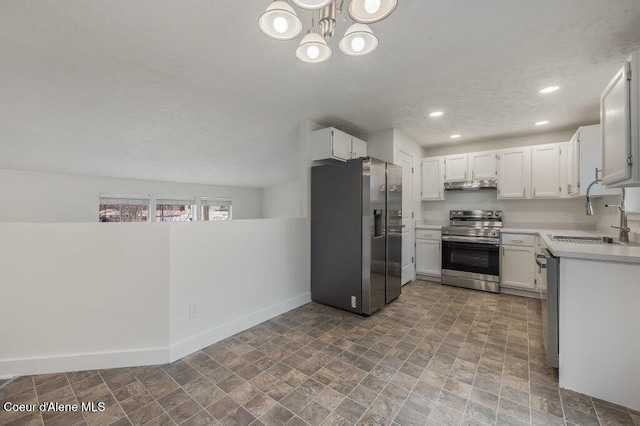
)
(191, 91)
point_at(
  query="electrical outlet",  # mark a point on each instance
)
(193, 310)
(353, 302)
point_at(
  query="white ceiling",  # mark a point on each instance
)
(192, 91)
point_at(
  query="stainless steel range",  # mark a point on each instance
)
(471, 249)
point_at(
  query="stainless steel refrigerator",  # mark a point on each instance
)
(356, 234)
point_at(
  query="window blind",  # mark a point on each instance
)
(120, 199)
(216, 201)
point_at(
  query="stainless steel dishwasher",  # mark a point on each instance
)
(549, 296)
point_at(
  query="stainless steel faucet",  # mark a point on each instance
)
(589, 203)
(624, 229)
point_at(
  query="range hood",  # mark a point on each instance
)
(472, 185)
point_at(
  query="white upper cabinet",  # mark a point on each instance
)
(620, 120)
(483, 165)
(514, 173)
(546, 180)
(615, 116)
(334, 144)
(456, 168)
(589, 139)
(573, 166)
(432, 178)
(358, 148)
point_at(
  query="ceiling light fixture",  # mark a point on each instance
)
(437, 114)
(455, 136)
(371, 11)
(280, 22)
(313, 49)
(311, 4)
(358, 40)
(550, 89)
(542, 123)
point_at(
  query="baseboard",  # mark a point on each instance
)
(80, 362)
(431, 278)
(213, 335)
(518, 292)
(132, 358)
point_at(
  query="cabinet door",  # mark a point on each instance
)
(340, 145)
(429, 257)
(590, 139)
(616, 132)
(432, 178)
(358, 148)
(514, 173)
(455, 168)
(573, 188)
(518, 267)
(545, 171)
(483, 165)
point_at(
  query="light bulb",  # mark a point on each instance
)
(371, 6)
(280, 25)
(357, 44)
(313, 52)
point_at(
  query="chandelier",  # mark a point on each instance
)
(281, 22)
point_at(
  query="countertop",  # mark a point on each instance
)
(604, 252)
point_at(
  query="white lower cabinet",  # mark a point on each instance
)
(429, 253)
(517, 262)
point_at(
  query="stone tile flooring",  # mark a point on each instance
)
(438, 355)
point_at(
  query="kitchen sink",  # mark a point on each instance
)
(589, 240)
(577, 240)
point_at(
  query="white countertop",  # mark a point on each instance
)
(604, 252)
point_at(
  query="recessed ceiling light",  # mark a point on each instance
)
(437, 114)
(455, 136)
(550, 89)
(542, 123)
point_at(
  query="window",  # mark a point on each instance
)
(124, 208)
(218, 208)
(175, 209)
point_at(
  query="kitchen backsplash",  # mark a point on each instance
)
(611, 216)
(550, 214)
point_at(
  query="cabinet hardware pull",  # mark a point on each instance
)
(517, 241)
(534, 191)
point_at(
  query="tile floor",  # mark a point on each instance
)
(438, 355)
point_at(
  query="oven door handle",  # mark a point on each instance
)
(478, 240)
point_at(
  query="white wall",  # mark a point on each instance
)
(76, 296)
(89, 296)
(27, 196)
(380, 145)
(240, 273)
(281, 200)
(611, 216)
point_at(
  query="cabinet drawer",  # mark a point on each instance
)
(519, 240)
(428, 234)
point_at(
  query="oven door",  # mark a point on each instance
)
(472, 255)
